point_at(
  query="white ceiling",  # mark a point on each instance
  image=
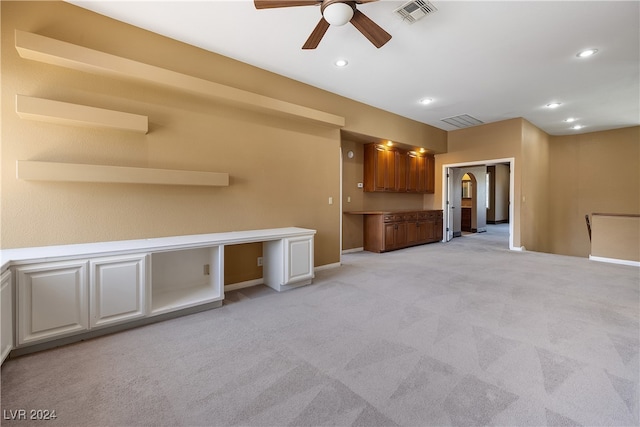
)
(492, 60)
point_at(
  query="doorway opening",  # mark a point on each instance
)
(468, 190)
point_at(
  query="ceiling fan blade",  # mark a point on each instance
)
(270, 4)
(370, 29)
(314, 39)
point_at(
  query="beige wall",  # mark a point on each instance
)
(592, 172)
(558, 179)
(501, 194)
(282, 171)
(477, 144)
(616, 237)
(534, 188)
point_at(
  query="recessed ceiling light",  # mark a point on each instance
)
(425, 101)
(554, 104)
(341, 63)
(570, 120)
(576, 127)
(587, 52)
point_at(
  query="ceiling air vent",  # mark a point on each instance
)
(414, 10)
(462, 121)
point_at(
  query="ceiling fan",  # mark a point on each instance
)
(334, 12)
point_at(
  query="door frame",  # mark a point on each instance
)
(446, 188)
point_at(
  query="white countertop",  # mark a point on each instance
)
(158, 244)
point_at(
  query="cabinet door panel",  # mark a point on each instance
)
(423, 230)
(402, 173)
(431, 174)
(389, 236)
(118, 286)
(412, 173)
(422, 174)
(6, 315)
(298, 259)
(413, 230)
(52, 300)
(401, 236)
(392, 178)
(380, 169)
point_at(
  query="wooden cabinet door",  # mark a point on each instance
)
(380, 168)
(118, 289)
(412, 174)
(438, 226)
(423, 231)
(391, 182)
(413, 230)
(380, 174)
(390, 236)
(401, 234)
(422, 174)
(52, 300)
(402, 160)
(430, 174)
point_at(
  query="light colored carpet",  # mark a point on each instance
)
(462, 333)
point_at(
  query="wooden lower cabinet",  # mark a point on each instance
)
(466, 219)
(385, 232)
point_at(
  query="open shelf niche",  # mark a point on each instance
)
(186, 278)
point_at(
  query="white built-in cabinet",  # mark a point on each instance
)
(69, 290)
(6, 315)
(117, 290)
(63, 298)
(52, 300)
(294, 266)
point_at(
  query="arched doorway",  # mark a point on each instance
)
(469, 203)
(452, 197)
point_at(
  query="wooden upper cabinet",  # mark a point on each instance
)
(396, 170)
(380, 168)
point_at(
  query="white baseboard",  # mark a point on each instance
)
(352, 250)
(260, 281)
(615, 261)
(245, 284)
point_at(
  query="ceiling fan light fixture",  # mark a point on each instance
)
(338, 13)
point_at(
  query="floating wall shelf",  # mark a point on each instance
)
(69, 172)
(79, 115)
(56, 52)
